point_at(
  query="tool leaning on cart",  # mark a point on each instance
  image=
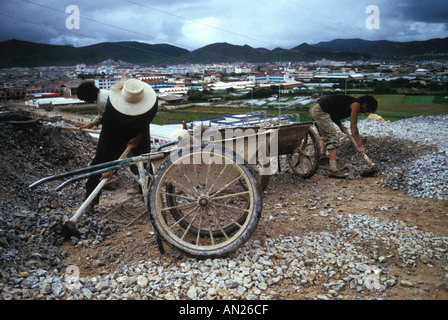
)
(129, 110)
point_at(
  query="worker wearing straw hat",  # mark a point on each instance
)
(130, 108)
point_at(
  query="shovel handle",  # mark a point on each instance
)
(79, 129)
(356, 146)
(97, 189)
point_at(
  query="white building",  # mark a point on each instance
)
(421, 72)
(105, 83)
(325, 62)
(269, 78)
(237, 85)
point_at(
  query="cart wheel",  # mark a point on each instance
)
(175, 202)
(304, 160)
(205, 209)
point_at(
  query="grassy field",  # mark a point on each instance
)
(202, 113)
(390, 107)
(396, 107)
(404, 99)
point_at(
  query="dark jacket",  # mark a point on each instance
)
(337, 106)
(117, 130)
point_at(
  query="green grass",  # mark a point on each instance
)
(390, 107)
(418, 99)
(399, 111)
(201, 113)
(388, 99)
(394, 107)
(179, 115)
(404, 99)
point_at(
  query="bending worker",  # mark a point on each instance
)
(130, 108)
(330, 110)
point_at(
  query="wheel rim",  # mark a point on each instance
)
(205, 207)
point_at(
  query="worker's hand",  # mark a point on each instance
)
(87, 126)
(344, 129)
(361, 149)
(107, 175)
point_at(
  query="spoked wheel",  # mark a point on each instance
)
(304, 160)
(205, 203)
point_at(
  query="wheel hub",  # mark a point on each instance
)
(203, 201)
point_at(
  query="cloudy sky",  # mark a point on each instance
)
(196, 23)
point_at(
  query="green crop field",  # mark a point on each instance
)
(418, 99)
(398, 106)
(206, 112)
(404, 99)
(391, 107)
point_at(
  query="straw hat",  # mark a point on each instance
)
(132, 97)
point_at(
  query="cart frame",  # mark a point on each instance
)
(205, 209)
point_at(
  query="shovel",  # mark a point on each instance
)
(69, 227)
(368, 171)
(79, 129)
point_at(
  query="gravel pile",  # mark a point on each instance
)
(411, 153)
(333, 261)
(341, 262)
(31, 220)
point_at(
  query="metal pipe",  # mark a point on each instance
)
(87, 175)
(106, 165)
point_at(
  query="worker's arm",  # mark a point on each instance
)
(356, 108)
(134, 142)
(340, 125)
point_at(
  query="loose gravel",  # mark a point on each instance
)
(426, 177)
(343, 262)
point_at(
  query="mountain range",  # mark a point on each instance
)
(17, 53)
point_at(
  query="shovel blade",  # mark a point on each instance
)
(69, 229)
(369, 171)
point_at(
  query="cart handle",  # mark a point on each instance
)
(103, 167)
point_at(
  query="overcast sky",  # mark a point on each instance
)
(196, 23)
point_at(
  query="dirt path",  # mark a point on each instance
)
(291, 207)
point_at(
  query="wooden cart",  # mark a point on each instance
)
(206, 199)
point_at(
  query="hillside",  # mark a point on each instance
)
(387, 49)
(17, 53)
(136, 52)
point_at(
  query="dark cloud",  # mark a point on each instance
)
(192, 24)
(425, 11)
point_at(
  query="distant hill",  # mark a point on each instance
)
(17, 53)
(137, 52)
(349, 44)
(388, 49)
(225, 52)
